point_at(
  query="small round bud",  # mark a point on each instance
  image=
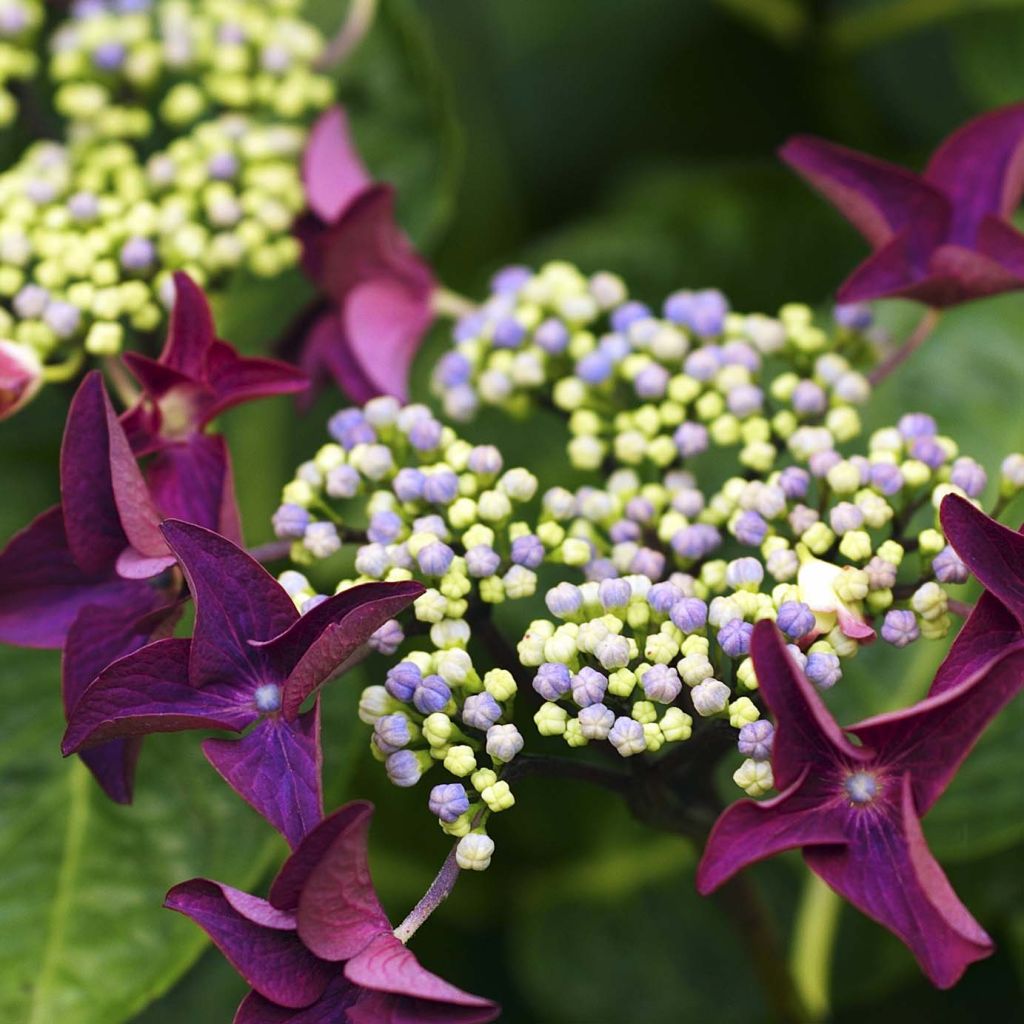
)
(710, 697)
(627, 736)
(503, 742)
(754, 777)
(755, 739)
(474, 852)
(460, 760)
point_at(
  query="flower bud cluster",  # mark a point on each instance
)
(643, 388)
(434, 710)
(91, 230)
(20, 21)
(423, 504)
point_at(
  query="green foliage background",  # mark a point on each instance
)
(636, 137)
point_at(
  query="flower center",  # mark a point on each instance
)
(268, 697)
(861, 787)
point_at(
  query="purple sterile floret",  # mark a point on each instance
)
(431, 695)
(321, 947)
(734, 637)
(795, 619)
(553, 680)
(755, 739)
(900, 627)
(481, 711)
(589, 686)
(448, 801)
(290, 521)
(854, 810)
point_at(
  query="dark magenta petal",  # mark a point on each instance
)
(885, 272)
(350, 821)
(91, 522)
(99, 636)
(989, 629)
(878, 198)
(806, 735)
(975, 274)
(384, 1008)
(272, 961)
(42, 589)
(149, 691)
(931, 739)
(751, 830)
(384, 323)
(333, 1007)
(980, 168)
(237, 600)
(993, 552)
(338, 909)
(191, 331)
(233, 379)
(192, 480)
(156, 378)
(1003, 243)
(386, 965)
(323, 639)
(276, 770)
(888, 872)
(332, 171)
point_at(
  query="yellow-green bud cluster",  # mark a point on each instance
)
(20, 21)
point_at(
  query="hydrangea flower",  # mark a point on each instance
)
(252, 660)
(379, 289)
(941, 237)
(855, 810)
(320, 948)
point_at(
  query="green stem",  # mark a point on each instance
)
(58, 373)
(814, 938)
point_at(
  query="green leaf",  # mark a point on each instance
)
(85, 939)
(398, 101)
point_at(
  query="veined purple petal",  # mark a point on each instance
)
(888, 872)
(190, 332)
(332, 171)
(333, 1007)
(385, 1008)
(98, 636)
(233, 379)
(1003, 243)
(806, 735)
(972, 274)
(272, 961)
(149, 691)
(752, 830)
(984, 637)
(980, 168)
(42, 589)
(930, 740)
(237, 600)
(276, 769)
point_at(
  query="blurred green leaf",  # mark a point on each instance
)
(398, 100)
(988, 49)
(785, 21)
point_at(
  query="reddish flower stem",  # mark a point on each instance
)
(918, 336)
(440, 889)
(358, 21)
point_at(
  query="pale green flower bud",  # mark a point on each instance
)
(879, 600)
(500, 684)
(374, 702)
(915, 473)
(929, 601)
(450, 633)
(842, 645)
(498, 796)
(430, 606)
(935, 628)
(695, 668)
(844, 478)
(460, 761)
(104, 339)
(931, 542)
(695, 644)
(492, 590)
(660, 648)
(474, 852)
(844, 423)
(745, 674)
(754, 777)
(654, 738)
(758, 456)
(644, 711)
(851, 584)
(551, 719)
(856, 546)
(818, 538)
(742, 711)
(461, 826)
(573, 734)
(438, 729)
(891, 552)
(676, 725)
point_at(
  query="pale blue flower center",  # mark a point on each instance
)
(861, 787)
(268, 697)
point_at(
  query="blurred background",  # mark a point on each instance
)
(636, 137)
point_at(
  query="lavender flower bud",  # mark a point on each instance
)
(662, 596)
(755, 739)
(948, 567)
(290, 521)
(627, 314)
(614, 593)
(734, 637)
(690, 614)
(386, 639)
(887, 478)
(588, 687)
(435, 559)
(482, 561)
(321, 539)
(710, 697)
(391, 733)
(527, 551)
(441, 487)
(431, 695)
(845, 517)
(481, 711)
(627, 737)
(691, 439)
(809, 399)
(384, 527)
(917, 424)
(968, 476)
(795, 619)
(750, 528)
(823, 669)
(928, 451)
(854, 316)
(794, 482)
(503, 742)
(596, 721)
(404, 768)
(448, 801)
(744, 572)
(552, 336)
(900, 628)
(661, 683)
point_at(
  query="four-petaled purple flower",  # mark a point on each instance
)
(252, 659)
(941, 237)
(855, 809)
(320, 949)
(378, 288)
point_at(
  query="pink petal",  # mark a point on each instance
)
(980, 167)
(751, 830)
(276, 770)
(993, 552)
(133, 565)
(930, 740)
(324, 638)
(338, 910)
(385, 965)
(888, 872)
(878, 198)
(332, 171)
(42, 589)
(272, 961)
(806, 735)
(149, 691)
(237, 600)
